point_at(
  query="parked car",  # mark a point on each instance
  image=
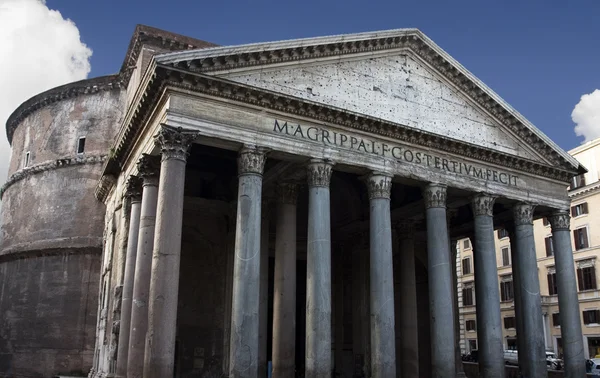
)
(593, 366)
(471, 357)
(511, 357)
(552, 362)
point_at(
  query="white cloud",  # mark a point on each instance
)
(39, 49)
(586, 116)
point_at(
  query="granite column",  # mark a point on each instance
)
(245, 324)
(318, 272)
(134, 194)
(568, 299)
(408, 314)
(440, 282)
(284, 299)
(532, 356)
(383, 340)
(166, 255)
(148, 168)
(489, 324)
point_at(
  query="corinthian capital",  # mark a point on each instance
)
(435, 195)
(379, 185)
(174, 143)
(405, 229)
(133, 188)
(251, 161)
(287, 193)
(319, 172)
(523, 214)
(149, 168)
(560, 220)
(483, 204)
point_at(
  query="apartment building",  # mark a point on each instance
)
(585, 236)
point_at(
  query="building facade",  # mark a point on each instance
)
(290, 202)
(584, 192)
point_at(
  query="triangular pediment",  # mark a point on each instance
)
(398, 76)
(397, 88)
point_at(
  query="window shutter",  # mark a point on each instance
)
(580, 279)
(584, 237)
(573, 212)
(550, 284)
(593, 277)
(585, 207)
(549, 246)
(576, 238)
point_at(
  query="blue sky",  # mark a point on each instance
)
(540, 56)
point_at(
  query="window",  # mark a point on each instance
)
(505, 257)
(470, 325)
(81, 145)
(467, 244)
(509, 322)
(546, 222)
(591, 317)
(511, 344)
(581, 238)
(506, 289)
(472, 345)
(27, 159)
(502, 233)
(467, 295)
(549, 246)
(580, 209)
(466, 265)
(578, 181)
(552, 288)
(555, 320)
(586, 275)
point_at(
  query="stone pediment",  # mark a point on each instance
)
(398, 88)
(398, 76)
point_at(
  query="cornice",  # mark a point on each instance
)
(51, 96)
(409, 39)
(585, 191)
(49, 166)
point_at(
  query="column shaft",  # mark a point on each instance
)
(517, 288)
(568, 300)
(264, 292)
(284, 299)
(532, 357)
(244, 345)
(133, 192)
(383, 339)
(440, 283)
(489, 324)
(408, 314)
(318, 272)
(148, 167)
(166, 255)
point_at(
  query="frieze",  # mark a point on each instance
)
(251, 161)
(560, 221)
(49, 166)
(401, 153)
(434, 196)
(319, 173)
(411, 40)
(379, 186)
(483, 204)
(174, 143)
(523, 214)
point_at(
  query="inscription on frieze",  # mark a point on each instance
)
(402, 153)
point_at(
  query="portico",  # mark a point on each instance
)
(333, 177)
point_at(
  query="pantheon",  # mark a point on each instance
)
(290, 206)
